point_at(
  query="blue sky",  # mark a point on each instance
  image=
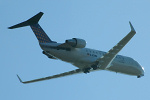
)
(102, 23)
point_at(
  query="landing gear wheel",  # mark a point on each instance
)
(86, 70)
(43, 52)
(94, 67)
(139, 76)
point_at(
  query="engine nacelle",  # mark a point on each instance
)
(77, 43)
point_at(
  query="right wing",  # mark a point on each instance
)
(51, 77)
(105, 61)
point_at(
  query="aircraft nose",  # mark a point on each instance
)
(141, 72)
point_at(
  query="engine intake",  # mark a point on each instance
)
(76, 42)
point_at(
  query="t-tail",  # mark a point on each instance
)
(38, 31)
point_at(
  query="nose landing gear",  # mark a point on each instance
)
(139, 76)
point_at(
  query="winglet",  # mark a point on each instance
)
(19, 79)
(132, 28)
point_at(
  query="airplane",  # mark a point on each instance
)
(85, 59)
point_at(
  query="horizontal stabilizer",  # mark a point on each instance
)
(31, 21)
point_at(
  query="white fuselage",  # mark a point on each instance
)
(84, 57)
(73, 51)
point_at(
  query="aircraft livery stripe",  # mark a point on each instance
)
(40, 34)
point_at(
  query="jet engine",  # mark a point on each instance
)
(76, 42)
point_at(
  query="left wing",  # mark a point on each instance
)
(51, 77)
(105, 61)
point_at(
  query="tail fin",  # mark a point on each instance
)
(38, 31)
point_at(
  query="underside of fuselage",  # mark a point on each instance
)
(80, 58)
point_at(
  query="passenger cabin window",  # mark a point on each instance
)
(130, 60)
(91, 53)
(120, 59)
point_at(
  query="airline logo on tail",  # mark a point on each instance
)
(40, 34)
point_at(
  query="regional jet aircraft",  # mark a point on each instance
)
(86, 60)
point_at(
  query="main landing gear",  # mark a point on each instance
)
(87, 70)
(94, 67)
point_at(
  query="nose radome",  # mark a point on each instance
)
(141, 72)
